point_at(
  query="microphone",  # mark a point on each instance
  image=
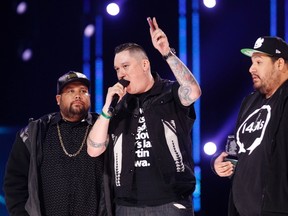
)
(115, 97)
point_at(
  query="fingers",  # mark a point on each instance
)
(155, 31)
(116, 89)
(221, 157)
(223, 168)
(155, 23)
(159, 39)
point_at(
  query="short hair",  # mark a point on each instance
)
(274, 59)
(132, 48)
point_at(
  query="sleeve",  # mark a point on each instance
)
(16, 178)
(212, 161)
(190, 109)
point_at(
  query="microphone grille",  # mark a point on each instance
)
(124, 82)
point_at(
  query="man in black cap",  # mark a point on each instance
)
(260, 178)
(49, 171)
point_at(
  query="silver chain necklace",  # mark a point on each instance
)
(62, 144)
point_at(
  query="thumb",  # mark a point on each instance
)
(221, 157)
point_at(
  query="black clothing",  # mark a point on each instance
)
(260, 181)
(169, 125)
(41, 179)
(145, 187)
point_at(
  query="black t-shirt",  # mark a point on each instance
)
(253, 135)
(148, 189)
(69, 185)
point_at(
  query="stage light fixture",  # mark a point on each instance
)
(113, 9)
(27, 55)
(210, 148)
(209, 3)
(21, 8)
(89, 30)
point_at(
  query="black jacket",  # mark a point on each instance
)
(163, 112)
(21, 184)
(275, 188)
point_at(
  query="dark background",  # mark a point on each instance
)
(54, 28)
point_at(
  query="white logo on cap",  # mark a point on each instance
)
(277, 51)
(80, 75)
(258, 43)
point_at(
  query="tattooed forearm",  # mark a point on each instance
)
(189, 89)
(97, 145)
(184, 93)
(181, 72)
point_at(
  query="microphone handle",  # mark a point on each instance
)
(113, 104)
(115, 97)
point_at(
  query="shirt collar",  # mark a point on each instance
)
(59, 118)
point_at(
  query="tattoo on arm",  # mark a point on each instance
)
(184, 95)
(97, 145)
(185, 79)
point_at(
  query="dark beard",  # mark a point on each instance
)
(76, 113)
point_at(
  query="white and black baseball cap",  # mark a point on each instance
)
(272, 46)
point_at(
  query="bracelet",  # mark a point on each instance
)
(171, 53)
(105, 115)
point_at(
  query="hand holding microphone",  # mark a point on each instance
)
(115, 97)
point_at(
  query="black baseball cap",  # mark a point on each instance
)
(272, 46)
(71, 76)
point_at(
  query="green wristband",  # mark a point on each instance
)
(105, 115)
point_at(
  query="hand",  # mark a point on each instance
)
(116, 89)
(159, 38)
(223, 168)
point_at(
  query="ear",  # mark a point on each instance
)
(281, 64)
(146, 64)
(58, 99)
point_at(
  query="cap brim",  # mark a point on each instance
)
(249, 52)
